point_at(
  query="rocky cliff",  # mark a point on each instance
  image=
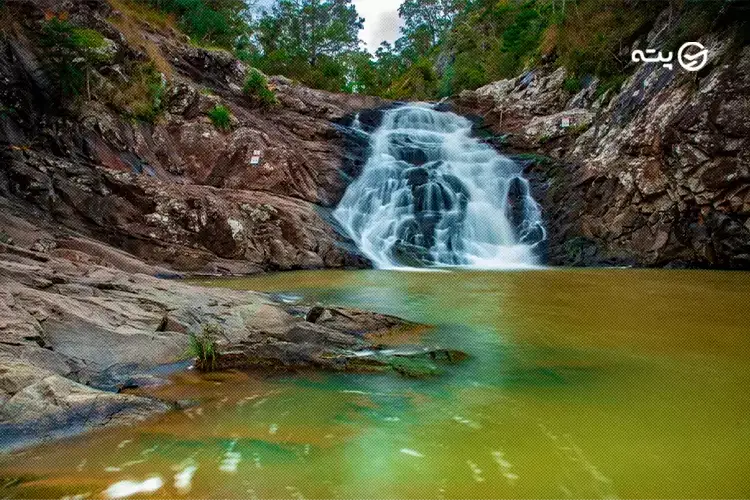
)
(654, 172)
(171, 188)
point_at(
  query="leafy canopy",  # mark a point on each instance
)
(224, 23)
(310, 40)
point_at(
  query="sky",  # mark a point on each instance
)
(381, 20)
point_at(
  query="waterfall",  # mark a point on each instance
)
(430, 194)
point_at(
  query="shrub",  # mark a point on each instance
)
(70, 53)
(221, 117)
(204, 348)
(143, 95)
(256, 86)
(208, 22)
(572, 84)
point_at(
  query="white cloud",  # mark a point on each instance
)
(381, 21)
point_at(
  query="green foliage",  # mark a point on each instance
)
(445, 46)
(256, 86)
(592, 35)
(572, 84)
(522, 36)
(204, 347)
(221, 117)
(5, 238)
(308, 40)
(419, 82)
(70, 53)
(222, 23)
(428, 18)
(141, 96)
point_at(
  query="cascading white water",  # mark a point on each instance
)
(432, 195)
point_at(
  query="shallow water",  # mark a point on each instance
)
(581, 383)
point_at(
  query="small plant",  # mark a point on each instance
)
(204, 347)
(221, 117)
(5, 238)
(142, 98)
(572, 84)
(578, 129)
(256, 86)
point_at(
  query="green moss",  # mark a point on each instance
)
(413, 367)
(221, 117)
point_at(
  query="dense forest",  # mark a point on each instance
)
(445, 46)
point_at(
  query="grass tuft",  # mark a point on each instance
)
(204, 347)
(221, 117)
(256, 87)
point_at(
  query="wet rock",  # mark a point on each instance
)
(112, 330)
(318, 313)
(55, 406)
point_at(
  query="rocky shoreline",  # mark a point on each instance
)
(97, 208)
(76, 333)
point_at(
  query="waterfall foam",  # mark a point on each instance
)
(430, 194)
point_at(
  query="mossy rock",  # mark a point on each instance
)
(414, 367)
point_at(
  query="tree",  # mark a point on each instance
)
(219, 22)
(433, 17)
(312, 28)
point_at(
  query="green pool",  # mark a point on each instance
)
(581, 383)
